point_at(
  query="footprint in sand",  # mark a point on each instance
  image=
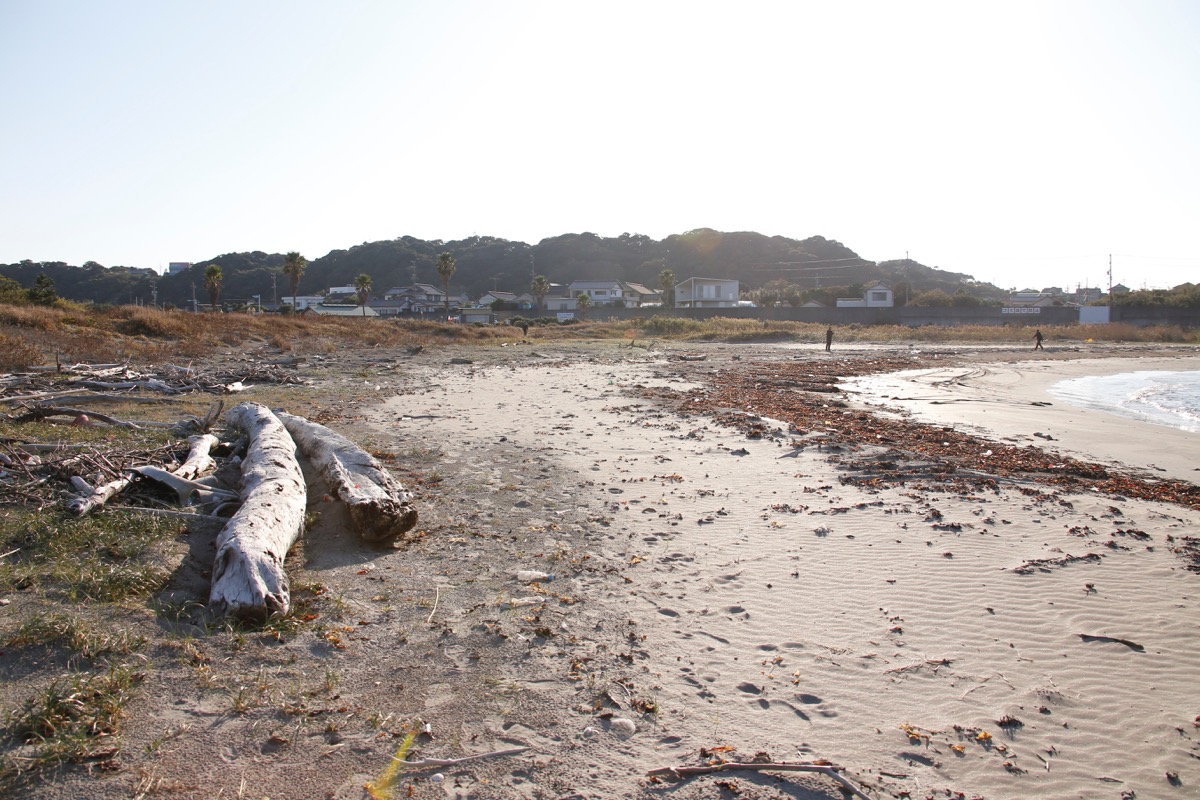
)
(759, 701)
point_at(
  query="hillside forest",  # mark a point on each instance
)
(771, 269)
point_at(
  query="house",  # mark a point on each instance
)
(388, 308)
(876, 294)
(340, 310)
(559, 302)
(302, 301)
(1120, 288)
(526, 302)
(601, 293)
(494, 296)
(707, 293)
(636, 294)
(420, 298)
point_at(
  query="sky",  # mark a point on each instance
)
(1022, 143)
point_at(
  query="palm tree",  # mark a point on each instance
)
(445, 271)
(362, 287)
(294, 265)
(666, 284)
(213, 278)
(540, 288)
(583, 303)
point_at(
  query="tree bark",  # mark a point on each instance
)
(248, 576)
(380, 508)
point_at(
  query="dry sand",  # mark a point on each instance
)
(889, 631)
(709, 591)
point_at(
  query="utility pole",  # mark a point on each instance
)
(275, 289)
(1110, 277)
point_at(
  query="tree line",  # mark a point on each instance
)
(815, 267)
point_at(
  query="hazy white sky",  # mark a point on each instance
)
(1019, 142)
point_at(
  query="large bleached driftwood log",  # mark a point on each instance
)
(248, 578)
(379, 507)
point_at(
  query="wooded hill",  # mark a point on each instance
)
(484, 263)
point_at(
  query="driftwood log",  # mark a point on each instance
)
(248, 578)
(84, 504)
(380, 508)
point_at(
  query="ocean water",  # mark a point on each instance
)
(1165, 398)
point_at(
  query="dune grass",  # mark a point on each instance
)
(36, 335)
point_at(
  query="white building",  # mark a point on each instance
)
(707, 293)
(875, 295)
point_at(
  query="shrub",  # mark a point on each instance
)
(16, 353)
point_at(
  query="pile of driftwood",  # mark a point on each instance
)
(257, 492)
(98, 382)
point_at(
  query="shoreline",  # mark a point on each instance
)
(1010, 401)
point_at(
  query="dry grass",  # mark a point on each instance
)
(70, 721)
(32, 335)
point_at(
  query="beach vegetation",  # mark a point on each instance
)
(70, 721)
(112, 557)
(1184, 296)
(539, 287)
(294, 265)
(446, 266)
(362, 288)
(213, 279)
(35, 335)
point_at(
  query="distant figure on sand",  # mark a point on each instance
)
(829, 339)
(1037, 340)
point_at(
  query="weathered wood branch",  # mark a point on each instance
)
(248, 576)
(151, 384)
(84, 504)
(80, 394)
(379, 506)
(42, 412)
(198, 459)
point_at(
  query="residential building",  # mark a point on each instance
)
(493, 296)
(174, 267)
(636, 295)
(560, 302)
(302, 301)
(876, 294)
(420, 298)
(601, 293)
(707, 293)
(340, 310)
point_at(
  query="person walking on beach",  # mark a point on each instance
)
(828, 339)
(1037, 340)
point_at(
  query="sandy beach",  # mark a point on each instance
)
(706, 595)
(999, 644)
